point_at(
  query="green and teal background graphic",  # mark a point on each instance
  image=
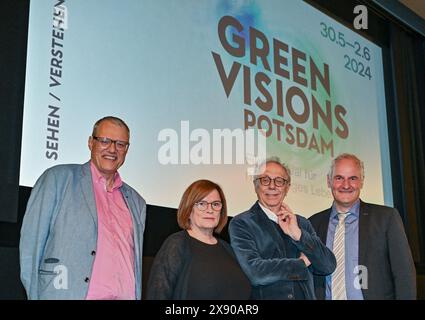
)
(150, 62)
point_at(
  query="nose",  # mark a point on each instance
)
(272, 185)
(209, 208)
(346, 184)
(112, 147)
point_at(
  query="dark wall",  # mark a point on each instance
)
(13, 44)
(13, 40)
(11, 287)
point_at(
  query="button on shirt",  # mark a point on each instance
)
(112, 277)
(351, 250)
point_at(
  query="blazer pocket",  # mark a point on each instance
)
(51, 260)
(47, 272)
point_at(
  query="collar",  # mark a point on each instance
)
(99, 178)
(354, 210)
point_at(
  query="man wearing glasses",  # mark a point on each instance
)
(278, 250)
(82, 234)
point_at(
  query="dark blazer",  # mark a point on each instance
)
(383, 249)
(272, 270)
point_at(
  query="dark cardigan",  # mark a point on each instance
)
(170, 271)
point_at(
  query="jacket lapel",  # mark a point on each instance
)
(322, 233)
(363, 232)
(137, 232)
(87, 190)
(364, 223)
(322, 229)
(130, 203)
(267, 226)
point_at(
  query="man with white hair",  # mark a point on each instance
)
(278, 250)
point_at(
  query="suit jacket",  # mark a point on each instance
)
(272, 270)
(383, 249)
(59, 233)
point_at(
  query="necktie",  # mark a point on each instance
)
(338, 277)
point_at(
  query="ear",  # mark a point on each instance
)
(90, 143)
(285, 191)
(329, 181)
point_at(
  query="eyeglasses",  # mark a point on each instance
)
(278, 181)
(106, 142)
(203, 205)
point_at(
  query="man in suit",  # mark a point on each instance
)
(278, 250)
(82, 234)
(373, 256)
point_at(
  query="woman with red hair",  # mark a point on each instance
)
(194, 264)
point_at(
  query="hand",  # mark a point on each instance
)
(305, 259)
(288, 222)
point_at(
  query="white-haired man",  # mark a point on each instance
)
(278, 250)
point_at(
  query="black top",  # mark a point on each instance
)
(184, 265)
(215, 274)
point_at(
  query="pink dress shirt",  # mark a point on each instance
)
(113, 270)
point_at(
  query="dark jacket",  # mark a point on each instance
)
(261, 252)
(383, 249)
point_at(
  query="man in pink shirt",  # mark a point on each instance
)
(82, 235)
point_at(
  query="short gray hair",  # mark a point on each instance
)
(347, 156)
(272, 159)
(119, 122)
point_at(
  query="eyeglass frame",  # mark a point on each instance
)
(208, 204)
(285, 181)
(127, 144)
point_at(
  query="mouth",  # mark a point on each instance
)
(110, 157)
(272, 194)
(345, 191)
